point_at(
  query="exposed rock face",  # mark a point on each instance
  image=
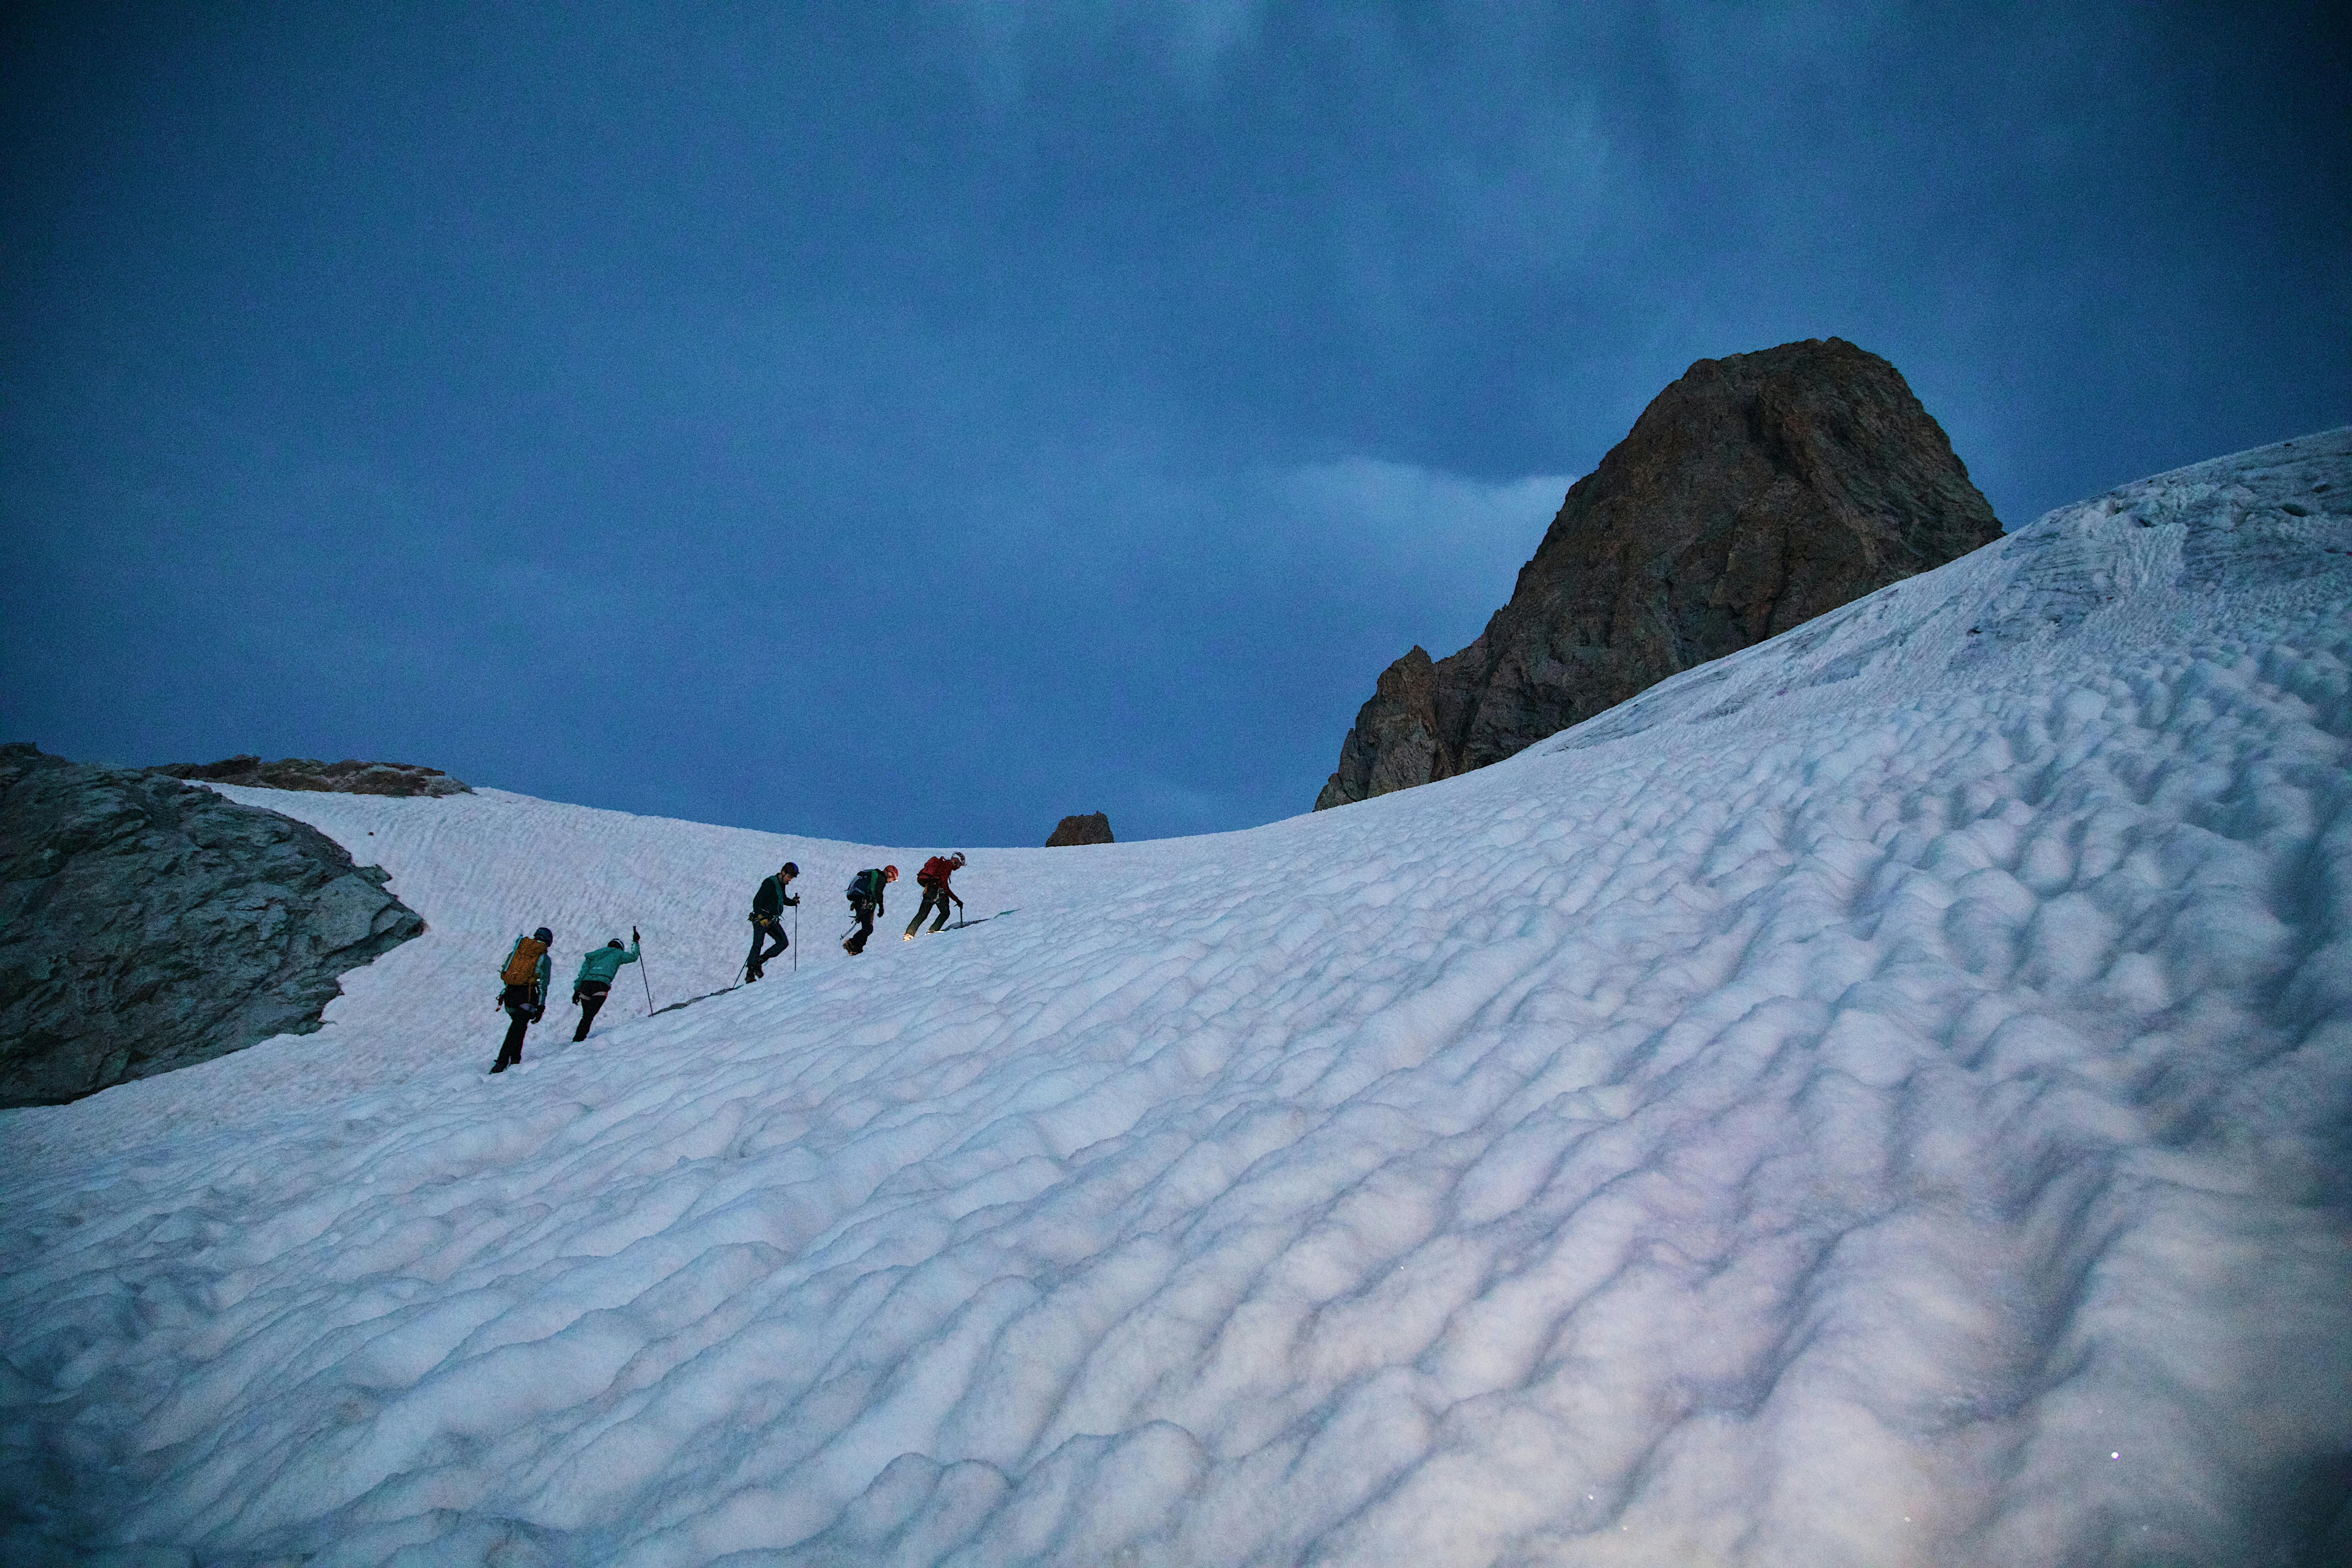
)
(147, 925)
(1756, 492)
(350, 776)
(1093, 829)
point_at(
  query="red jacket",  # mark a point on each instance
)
(936, 871)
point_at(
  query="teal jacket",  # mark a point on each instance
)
(601, 963)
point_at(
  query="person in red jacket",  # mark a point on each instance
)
(933, 879)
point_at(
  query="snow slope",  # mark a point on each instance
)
(1883, 1097)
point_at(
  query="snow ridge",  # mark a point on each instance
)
(1881, 1098)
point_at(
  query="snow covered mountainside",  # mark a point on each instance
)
(1885, 1097)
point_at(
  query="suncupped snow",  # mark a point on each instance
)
(1882, 1098)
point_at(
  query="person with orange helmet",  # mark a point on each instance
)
(866, 890)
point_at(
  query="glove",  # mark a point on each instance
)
(635, 941)
(537, 1012)
(575, 998)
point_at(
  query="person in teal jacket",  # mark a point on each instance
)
(594, 980)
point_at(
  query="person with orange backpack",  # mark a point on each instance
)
(933, 879)
(523, 980)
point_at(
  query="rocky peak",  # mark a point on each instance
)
(1753, 494)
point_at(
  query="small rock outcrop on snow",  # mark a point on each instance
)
(1753, 494)
(350, 776)
(1092, 828)
(147, 925)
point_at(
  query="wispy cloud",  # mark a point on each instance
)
(1414, 515)
(1005, 42)
(1457, 542)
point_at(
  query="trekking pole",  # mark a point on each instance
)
(797, 939)
(641, 970)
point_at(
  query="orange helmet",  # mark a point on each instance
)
(890, 873)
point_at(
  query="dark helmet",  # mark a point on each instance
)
(790, 869)
(615, 942)
(890, 873)
(545, 935)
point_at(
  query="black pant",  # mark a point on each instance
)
(864, 913)
(932, 894)
(521, 1002)
(591, 996)
(765, 927)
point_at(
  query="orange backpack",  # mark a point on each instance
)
(522, 964)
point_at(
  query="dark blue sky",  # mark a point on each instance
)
(914, 423)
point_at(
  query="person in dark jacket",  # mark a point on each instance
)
(933, 879)
(768, 907)
(866, 890)
(523, 980)
(594, 980)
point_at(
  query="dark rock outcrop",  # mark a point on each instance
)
(1756, 492)
(349, 776)
(1090, 830)
(147, 925)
